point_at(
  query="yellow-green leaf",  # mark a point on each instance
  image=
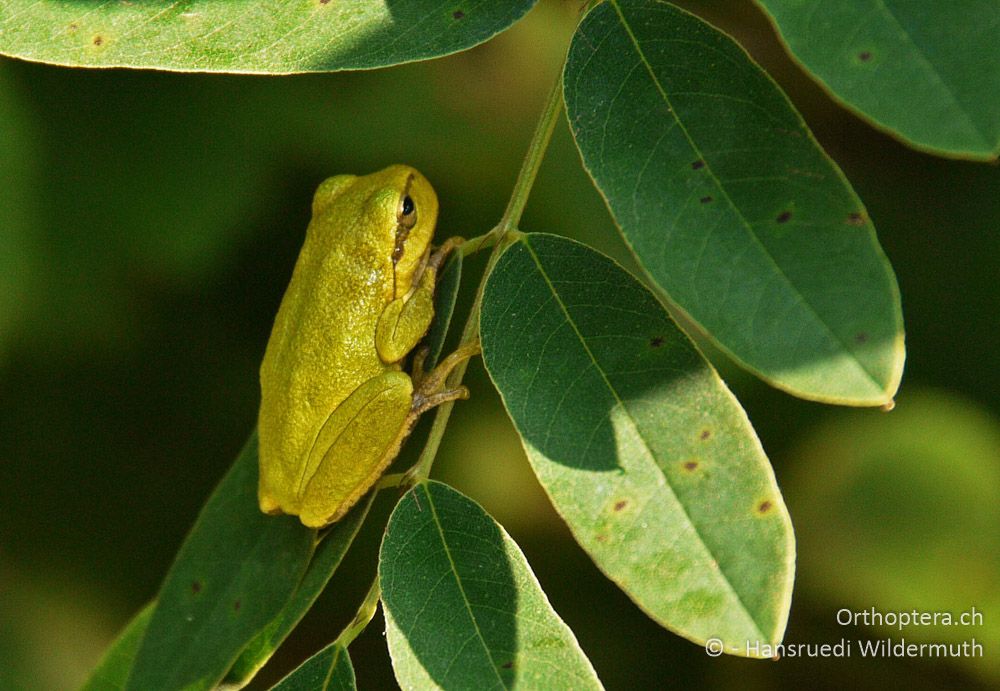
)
(258, 36)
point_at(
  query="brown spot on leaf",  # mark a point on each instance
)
(620, 504)
(764, 506)
(656, 341)
(856, 218)
(705, 200)
(458, 14)
(784, 217)
(73, 27)
(98, 40)
(861, 337)
(697, 165)
(690, 466)
(705, 434)
(865, 56)
(195, 587)
(889, 406)
(236, 606)
(508, 665)
(601, 538)
(323, 2)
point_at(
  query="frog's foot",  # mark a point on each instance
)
(431, 388)
(421, 403)
(442, 252)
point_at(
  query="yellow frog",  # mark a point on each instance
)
(335, 403)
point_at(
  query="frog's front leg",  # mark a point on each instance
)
(354, 446)
(405, 320)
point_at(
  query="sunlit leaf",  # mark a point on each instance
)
(463, 609)
(730, 205)
(259, 36)
(642, 449)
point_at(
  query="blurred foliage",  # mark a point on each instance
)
(149, 225)
(896, 493)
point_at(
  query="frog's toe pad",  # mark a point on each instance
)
(269, 505)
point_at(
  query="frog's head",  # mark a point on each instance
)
(405, 206)
(388, 215)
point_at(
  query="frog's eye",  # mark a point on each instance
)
(407, 214)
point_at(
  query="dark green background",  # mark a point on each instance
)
(160, 215)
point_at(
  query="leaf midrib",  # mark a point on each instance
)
(583, 342)
(461, 588)
(748, 227)
(932, 70)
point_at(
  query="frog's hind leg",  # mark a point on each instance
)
(430, 386)
(358, 440)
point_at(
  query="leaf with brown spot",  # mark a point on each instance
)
(612, 427)
(233, 554)
(925, 72)
(768, 269)
(256, 36)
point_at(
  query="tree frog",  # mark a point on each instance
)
(335, 403)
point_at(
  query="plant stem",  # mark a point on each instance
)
(499, 237)
(364, 615)
(532, 160)
(504, 230)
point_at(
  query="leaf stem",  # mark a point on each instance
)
(503, 233)
(366, 611)
(532, 160)
(499, 237)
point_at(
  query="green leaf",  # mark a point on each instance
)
(113, 669)
(328, 670)
(463, 609)
(256, 36)
(730, 205)
(640, 446)
(445, 295)
(926, 72)
(234, 573)
(327, 557)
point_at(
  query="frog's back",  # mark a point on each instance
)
(322, 345)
